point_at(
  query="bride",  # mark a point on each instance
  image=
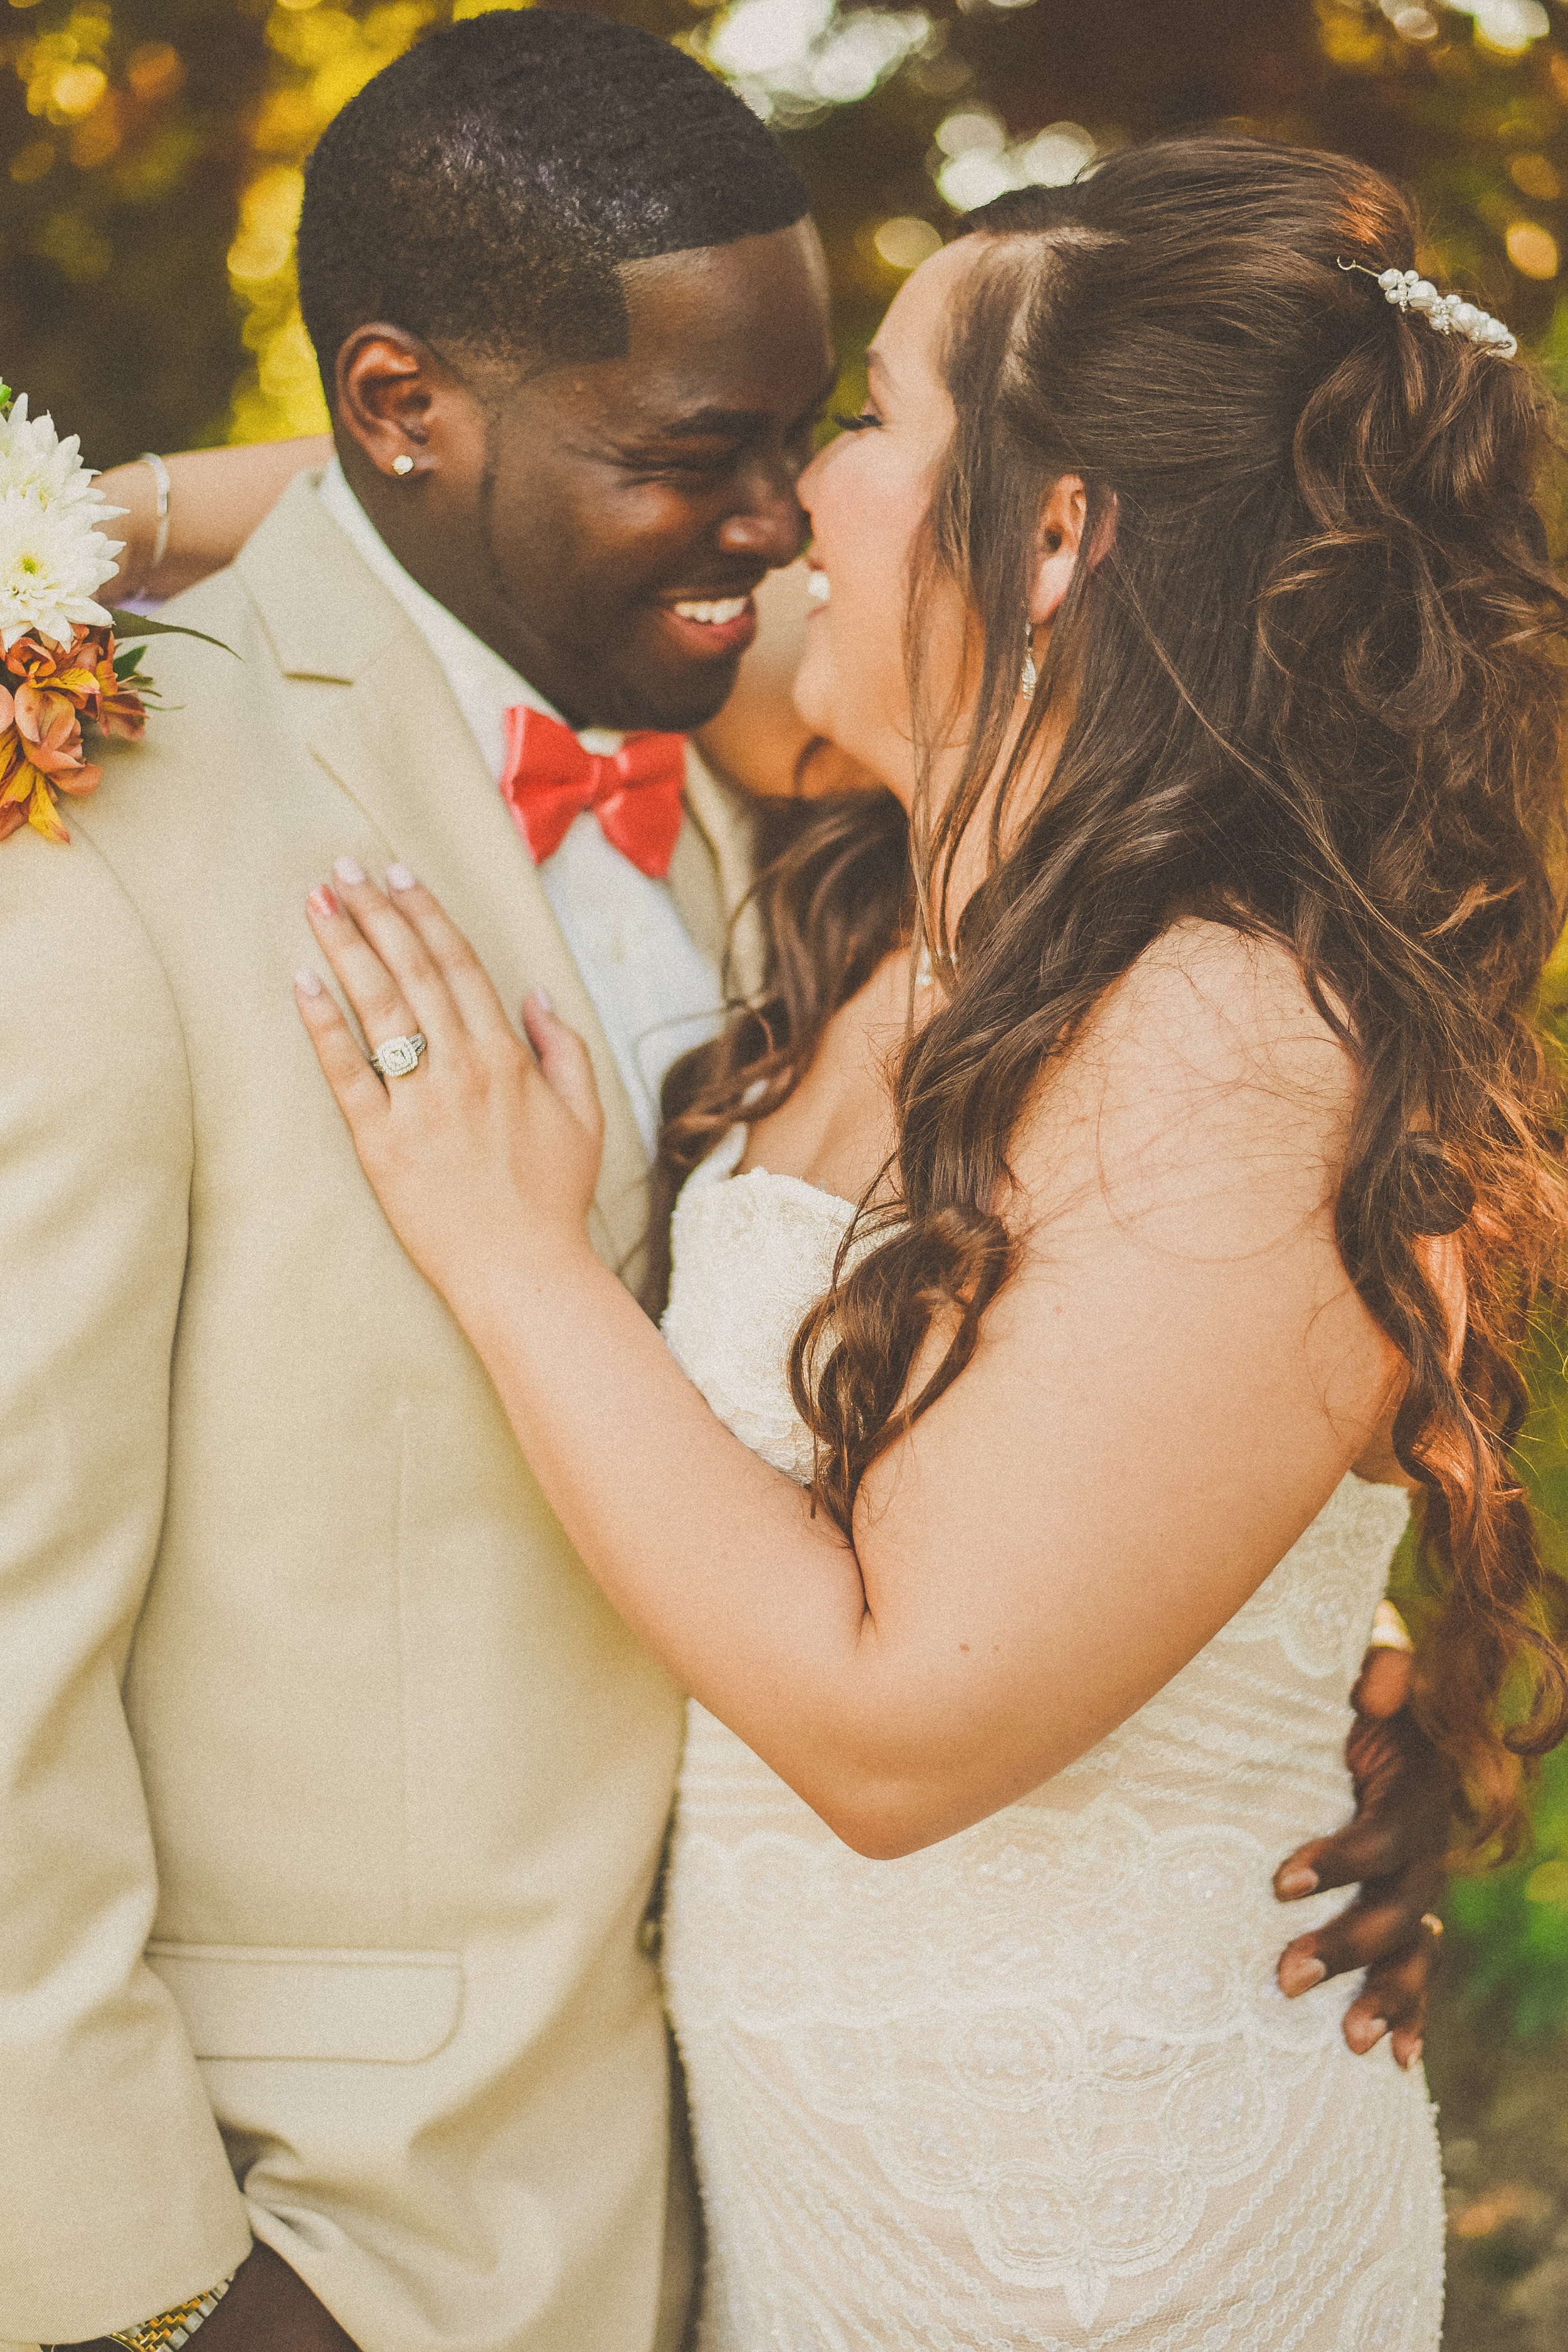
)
(1076, 1271)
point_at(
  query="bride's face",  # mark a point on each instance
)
(868, 495)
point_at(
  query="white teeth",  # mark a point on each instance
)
(729, 608)
(817, 586)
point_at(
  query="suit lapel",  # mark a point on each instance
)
(396, 742)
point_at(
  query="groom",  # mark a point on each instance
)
(331, 1792)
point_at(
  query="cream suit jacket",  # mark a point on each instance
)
(330, 1790)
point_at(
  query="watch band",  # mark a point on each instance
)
(170, 2329)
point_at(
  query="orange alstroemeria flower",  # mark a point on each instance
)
(50, 728)
(27, 799)
(41, 752)
(119, 709)
(64, 670)
(13, 807)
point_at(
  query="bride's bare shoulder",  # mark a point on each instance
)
(1207, 1000)
(1210, 1037)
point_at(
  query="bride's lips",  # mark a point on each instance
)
(710, 626)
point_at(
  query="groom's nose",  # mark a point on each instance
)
(771, 526)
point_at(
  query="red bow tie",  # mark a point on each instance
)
(635, 792)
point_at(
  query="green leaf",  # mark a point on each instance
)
(142, 625)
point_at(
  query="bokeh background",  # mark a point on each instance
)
(150, 155)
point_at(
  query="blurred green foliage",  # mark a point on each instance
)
(1513, 1923)
(150, 155)
(1511, 1941)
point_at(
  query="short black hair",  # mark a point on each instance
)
(481, 191)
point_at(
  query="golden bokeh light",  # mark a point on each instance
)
(324, 56)
(906, 241)
(75, 90)
(1532, 249)
(154, 71)
(1536, 176)
(31, 162)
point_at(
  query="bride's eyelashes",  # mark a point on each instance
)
(860, 424)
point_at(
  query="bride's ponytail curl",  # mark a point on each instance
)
(1309, 680)
(1421, 587)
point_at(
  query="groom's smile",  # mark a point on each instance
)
(713, 626)
(603, 524)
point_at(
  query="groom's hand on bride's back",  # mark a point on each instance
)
(268, 2308)
(1393, 1852)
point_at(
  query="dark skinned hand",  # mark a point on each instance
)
(1395, 1848)
(267, 2309)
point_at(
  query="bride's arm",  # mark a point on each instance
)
(1164, 1397)
(216, 497)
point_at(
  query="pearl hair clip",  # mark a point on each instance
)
(1445, 314)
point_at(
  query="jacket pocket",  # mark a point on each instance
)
(251, 2002)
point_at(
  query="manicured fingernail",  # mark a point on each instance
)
(1299, 1972)
(1412, 2057)
(324, 901)
(305, 982)
(544, 1001)
(1369, 2032)
(399, 878)
(1300, 1881)
(349, 870)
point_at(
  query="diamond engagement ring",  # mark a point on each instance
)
(397, 1057)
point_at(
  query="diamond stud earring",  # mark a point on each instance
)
(403, 465)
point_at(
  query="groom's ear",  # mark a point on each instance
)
(400, 401)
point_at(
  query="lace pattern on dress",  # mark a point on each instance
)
(1036, 2085)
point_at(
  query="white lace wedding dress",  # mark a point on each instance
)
(1035, 2085)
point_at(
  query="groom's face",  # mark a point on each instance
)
(603, 525)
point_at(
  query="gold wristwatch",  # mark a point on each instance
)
(172, 2328)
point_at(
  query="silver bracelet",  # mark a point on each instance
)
(161, 476)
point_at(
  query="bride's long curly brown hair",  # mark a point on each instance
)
(1313, 687)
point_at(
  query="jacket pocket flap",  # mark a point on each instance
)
(250, 2001)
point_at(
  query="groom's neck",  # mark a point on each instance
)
(449, 556)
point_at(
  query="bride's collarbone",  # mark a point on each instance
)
(838, 1141)
(837, 1130)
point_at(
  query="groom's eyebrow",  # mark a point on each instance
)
(731, 422)
(740, 424)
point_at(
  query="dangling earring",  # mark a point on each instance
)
(1030, 678)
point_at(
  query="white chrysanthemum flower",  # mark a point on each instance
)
(33, 458)
(51, 561)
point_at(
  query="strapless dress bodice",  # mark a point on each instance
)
(1036, 2085)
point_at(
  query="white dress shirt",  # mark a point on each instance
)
(655, 991)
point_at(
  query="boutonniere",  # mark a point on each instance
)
(64, 657)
